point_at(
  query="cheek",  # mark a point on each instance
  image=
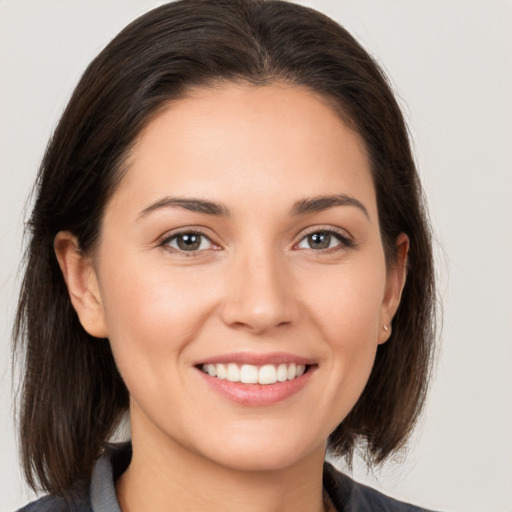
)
(347, 303)
(152, 315)
(348, 317)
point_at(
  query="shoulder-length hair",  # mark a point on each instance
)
(72, 395)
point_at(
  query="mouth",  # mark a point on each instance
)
(265, 375)
(257, 379)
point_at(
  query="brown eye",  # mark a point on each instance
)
(322, 240)
(189, 242)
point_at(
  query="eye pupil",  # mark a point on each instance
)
(319, 240)
(189, 241)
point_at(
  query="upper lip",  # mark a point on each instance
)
(256, 359)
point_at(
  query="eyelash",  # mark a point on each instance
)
(164, 242)
(344, 242)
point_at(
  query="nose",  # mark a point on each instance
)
(259, 293)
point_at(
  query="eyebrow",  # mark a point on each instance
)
(320, 203)
(302, 207)
(194, 205)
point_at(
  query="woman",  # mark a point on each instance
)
(229, 242)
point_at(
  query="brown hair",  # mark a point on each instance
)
(72, 394)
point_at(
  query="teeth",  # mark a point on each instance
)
(282, 373)
(267, 374)
(221, 371)
(292, 371)
(233, 373)
(251, 374)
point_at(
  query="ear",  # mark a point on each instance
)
(82, 284)
(395, 283)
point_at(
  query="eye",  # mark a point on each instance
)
(322, 240)
(189, 241)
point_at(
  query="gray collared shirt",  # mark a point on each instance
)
(345, 494)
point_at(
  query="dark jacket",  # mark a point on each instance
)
(346, 494)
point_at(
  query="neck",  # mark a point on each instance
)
(164, 475)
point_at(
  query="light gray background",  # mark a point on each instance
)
(451, 64)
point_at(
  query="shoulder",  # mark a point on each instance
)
(79, 502)
(350, 496)
(98, 494)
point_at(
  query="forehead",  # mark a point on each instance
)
(245, 140)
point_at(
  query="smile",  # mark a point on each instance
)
(252, 374)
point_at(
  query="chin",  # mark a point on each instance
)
(263, 453)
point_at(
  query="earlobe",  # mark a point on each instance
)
(397, 275)
(82, 284)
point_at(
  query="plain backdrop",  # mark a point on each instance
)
(450, 62)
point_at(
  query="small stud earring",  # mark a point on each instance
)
(386, 328)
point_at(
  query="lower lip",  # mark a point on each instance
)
(257, 394)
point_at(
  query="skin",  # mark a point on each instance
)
(255, 285)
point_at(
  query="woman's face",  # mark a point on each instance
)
(244, 241)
